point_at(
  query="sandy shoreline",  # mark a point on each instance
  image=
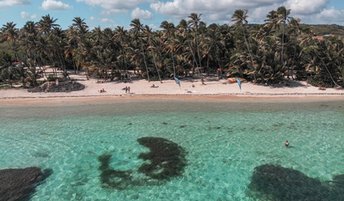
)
(212, 90)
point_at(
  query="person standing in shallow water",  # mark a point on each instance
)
(286, 144)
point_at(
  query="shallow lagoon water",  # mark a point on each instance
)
(223, 143)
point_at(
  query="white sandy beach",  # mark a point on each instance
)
(220, 89)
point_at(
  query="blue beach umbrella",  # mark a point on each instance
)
(239, 83)
(177, 81)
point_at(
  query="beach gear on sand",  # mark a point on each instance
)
(239, 83)
(177, 81)
(231, 80)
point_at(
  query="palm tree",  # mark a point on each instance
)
(170, 41)
(121, 39)
(59, 41)
(78, 46)
(47, 24)
(240, 22)
(215, 46)
(10, 34)
(324, 59)
(277, 23)
(293, 47)
(195, 23)
(48, 28)
(104, 52)
(147, 33)
(137, 28)
(8, 73)
(80, 25)
(283, 14)
(45, 27)
(29, 44)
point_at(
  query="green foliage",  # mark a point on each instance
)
(5, 59)
(5, 69)
(279, 49)
(325, 29)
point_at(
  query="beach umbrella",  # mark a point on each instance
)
(239, 83)
(177, 81)
(231, 80)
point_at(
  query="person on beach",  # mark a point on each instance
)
(202, 80)
(154, 86)
(286, 144)
(219, 73)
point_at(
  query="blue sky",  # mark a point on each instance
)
(112, 13)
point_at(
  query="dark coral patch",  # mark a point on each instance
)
(337, 188)
(111, 178)
(19, 184)
(166, 158)
(338, 181)
(273, 182)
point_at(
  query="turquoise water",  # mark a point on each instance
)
(223, 143)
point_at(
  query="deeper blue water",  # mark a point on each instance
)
(223, 143)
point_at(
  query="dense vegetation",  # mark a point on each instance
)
(326, 29)
(268, 53)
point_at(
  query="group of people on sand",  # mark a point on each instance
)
(127, 89)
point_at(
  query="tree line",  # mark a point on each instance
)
(266, 53)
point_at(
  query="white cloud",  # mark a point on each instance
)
(141, 14)
(216, 10)
(154, 26)
(7, 3)
(331, 15)
(306, 7)
(54, 5)
(221, 10)
(24, 15)
(258, 15)
(111, 6)
(27, 16)
(106, 20)
(185, 7)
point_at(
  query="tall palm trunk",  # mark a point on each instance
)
(156, 68)
(194, 60)
(144, 61)
(282, 48)
(327, 70)
(173, 65)
(197, 50)
(250, 53)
